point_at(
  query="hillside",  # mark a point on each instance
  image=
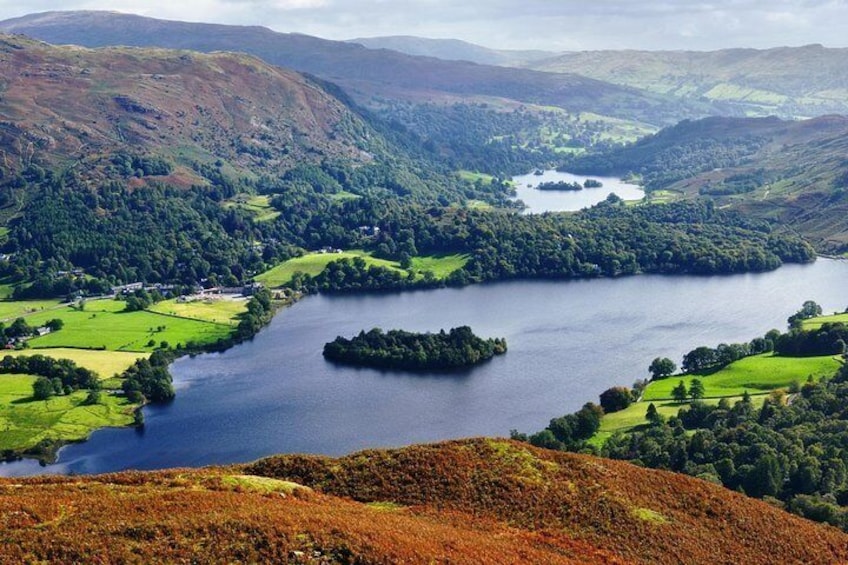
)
(65, 105)
(469, 501)
(793, 173)
(786, 81)
(367, 74)
(454, 50)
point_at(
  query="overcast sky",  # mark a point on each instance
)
(515, 24)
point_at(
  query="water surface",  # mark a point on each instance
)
(568, 341)
(539, 201)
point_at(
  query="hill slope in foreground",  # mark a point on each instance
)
(472, 501)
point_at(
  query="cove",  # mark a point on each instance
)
(568, 341)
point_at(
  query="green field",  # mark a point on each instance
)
(313, 263)
(25, 422)
(479, 205)
(259, 206)
(102, 325)
(634, 415)
(440, 265)
(758, 373)
(472, 176)
(105, 363)
(99, 336)
(818, 321)
(216, 310)
(9, 310)
(663, 196)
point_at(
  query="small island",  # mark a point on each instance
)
(399, 349)
(569, 186)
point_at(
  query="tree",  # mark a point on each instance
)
(696, 389)
(652, 415)
(615, 399)
(808, 310)
(679, 393)
(42, 388)
(661, 368)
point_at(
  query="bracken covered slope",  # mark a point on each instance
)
(60, 105)
(472, 501)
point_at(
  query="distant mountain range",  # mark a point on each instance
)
(369, 75)
(786, 81)
(454, 50)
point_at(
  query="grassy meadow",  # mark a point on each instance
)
(105, 363)
(819, 321)
(214, 310)
(104, 338)
(26, 422)
(103, 324)
(757, 375)
(312, 264)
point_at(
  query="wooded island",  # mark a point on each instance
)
(399, 349)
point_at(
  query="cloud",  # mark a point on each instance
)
(545, 24)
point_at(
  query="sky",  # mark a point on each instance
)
(554, 25)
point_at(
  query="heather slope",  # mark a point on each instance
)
(472, 501)
(61, 105)
(645, 516)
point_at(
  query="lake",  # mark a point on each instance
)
(539, 201)
(568, 341)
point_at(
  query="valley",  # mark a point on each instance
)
(222, 243)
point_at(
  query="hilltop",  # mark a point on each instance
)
(366, 74)
(454, 50)
(470, 501)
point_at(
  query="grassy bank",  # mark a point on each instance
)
(26, 422)
(757, 375)
(102, 337)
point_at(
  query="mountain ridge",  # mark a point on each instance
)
(366, 74)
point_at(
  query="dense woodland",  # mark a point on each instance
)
(790, 451)
(157, 233)
(680, 152)
(399, 349)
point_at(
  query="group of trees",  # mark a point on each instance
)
(55, 376)
(142, 299)
(157, 233)
(681, 394)
(398, 349)
(148, 380)
(260, 310)
(676, 153)
(793, 452)
(19, 328)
